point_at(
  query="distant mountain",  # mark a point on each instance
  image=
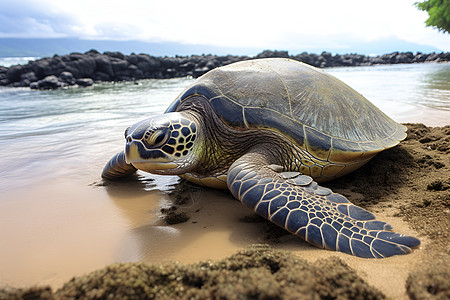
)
(42, 47)
(388, 45)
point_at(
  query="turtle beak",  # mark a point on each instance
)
(128, 151)
(128, 146)
(135, 154)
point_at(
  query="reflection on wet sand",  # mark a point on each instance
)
(212, 231)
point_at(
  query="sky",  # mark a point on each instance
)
(276, 24)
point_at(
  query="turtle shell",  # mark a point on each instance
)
(315, 110)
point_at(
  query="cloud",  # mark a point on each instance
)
(32, 19)
(231, 23)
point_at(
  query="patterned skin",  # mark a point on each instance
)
(265, 168)
(325, 219)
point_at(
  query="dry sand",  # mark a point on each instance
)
(408, 186)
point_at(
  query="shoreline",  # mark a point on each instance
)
(409, 183)
(83, 70)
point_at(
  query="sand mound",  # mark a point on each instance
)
(254, 273)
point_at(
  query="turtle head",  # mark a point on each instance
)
(164, 144)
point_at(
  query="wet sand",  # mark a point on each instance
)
(79, 229)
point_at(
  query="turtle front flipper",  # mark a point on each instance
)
(298, 204)
(117, 167)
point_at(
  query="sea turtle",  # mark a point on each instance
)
(269, 130)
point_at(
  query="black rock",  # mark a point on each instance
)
(34, 85)
(83, 65)
(306, 58)
(200, 71)
(27, 78)
(67, 77)
(41, 68)
(119, 65)
(100, 76)
(103, 65)
(132, 59)
(84, 82)
(137, 74)
(92, 52)
(432, 57)
(114, 55)
(187, 66)
(377, 61)
(169, 62)
(402, 58)
(13, 74)
(30, 76)
(49, 83)
(272, 54)
(420, 57)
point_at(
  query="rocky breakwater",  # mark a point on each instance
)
(85, 69)
(326, 59)
(92, 66)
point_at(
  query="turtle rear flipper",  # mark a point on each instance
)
(298, 204)
(117, 167)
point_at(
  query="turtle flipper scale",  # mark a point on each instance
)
(117, 167)
(323, 218)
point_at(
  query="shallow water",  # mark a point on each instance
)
(51, 134)
(410, 93)
(57, 220)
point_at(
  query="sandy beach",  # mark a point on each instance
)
(202, 242)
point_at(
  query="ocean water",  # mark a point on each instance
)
(9, 61)
(54, 144)
(62, 129)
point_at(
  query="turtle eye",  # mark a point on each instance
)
(157, 138)
(126, 132)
